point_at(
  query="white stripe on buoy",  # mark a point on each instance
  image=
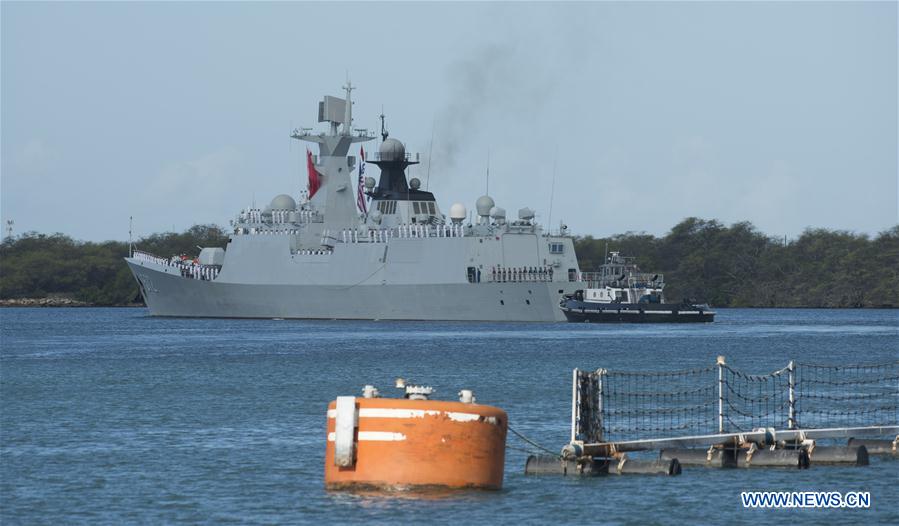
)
(379, 412)
(374, 436)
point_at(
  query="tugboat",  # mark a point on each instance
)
(619, 292)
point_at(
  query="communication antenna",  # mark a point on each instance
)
(552, 188)
(384, 133)
(9, 225)
(487, 191)
(430, 149)
(130, 242)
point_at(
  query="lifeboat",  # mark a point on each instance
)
(410, 442)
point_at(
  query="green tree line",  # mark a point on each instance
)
(39, 265)
(705, 260)
(738, 266)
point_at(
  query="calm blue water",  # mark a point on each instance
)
(109, 416)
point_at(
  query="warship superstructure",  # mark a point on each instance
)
(356, 248)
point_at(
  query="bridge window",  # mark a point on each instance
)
(556, 248)
(387, 207)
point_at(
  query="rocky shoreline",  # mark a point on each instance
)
(56, 302)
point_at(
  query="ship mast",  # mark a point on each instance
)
(348, 112)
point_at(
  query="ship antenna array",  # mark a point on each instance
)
(552, 188)
(430, 150)
(130, 241)
(384, 133)
(487, 190)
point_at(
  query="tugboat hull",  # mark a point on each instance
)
(581, 312)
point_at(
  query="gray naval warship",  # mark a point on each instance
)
(356, 248)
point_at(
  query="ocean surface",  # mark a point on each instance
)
(111, 416)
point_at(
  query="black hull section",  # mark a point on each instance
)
(582, 312)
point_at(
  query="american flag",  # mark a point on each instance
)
(360, 194)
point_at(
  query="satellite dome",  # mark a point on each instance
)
(458, 212)
(283, 202)
(392, 150)
(369, 182)
(484, 204)
(525, 214)
(498, 213)
(415, 183)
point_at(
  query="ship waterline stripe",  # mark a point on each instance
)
(374, 436)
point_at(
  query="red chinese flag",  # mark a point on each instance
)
(314, 182)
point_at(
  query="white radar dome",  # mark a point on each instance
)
(392, 150)
(525, 214)
(283, 202)
(498, 213)
(415, 183)
(369, 182)
(457, 212)
(484, 204)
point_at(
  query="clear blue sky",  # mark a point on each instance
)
(179, 113)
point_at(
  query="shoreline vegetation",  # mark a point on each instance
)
(705, 260)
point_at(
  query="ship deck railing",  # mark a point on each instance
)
(634, 280)
(383, 235)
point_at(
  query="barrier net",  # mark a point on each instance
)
(615, 405)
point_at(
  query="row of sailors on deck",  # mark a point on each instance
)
(199, 272)
(257, 215)
(503, 274)
(253, 231)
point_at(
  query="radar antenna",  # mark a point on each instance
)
(384, 133)
(130, 241)
(348, 109)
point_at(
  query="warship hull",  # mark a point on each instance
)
(166, 293)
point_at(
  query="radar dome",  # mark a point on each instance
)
(525, 214)
(484, 204)
(498, 213)
(457, 212)
(369, 182)
(415, 183)
(283, 202)
(392, 150)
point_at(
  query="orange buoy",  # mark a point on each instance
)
(399, 443)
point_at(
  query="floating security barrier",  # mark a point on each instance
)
(399, 443)
(773, 458)
(738, 458)
(712, 458)
(877, 447)
(550, 465)
(844, 455)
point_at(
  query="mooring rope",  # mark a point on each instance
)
(531, 442)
